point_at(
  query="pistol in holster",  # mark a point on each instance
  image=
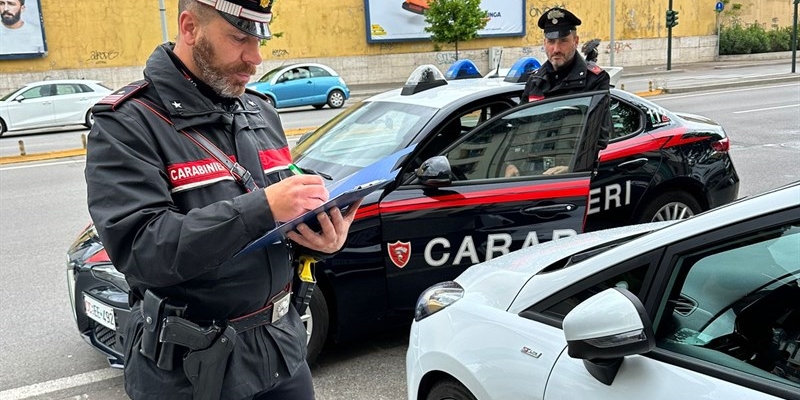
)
(207, 359)
(305, 271)
(155, 310)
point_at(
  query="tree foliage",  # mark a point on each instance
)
(453, 21)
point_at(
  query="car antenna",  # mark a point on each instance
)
(500, 58)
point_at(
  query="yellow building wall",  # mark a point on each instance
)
(100, 34)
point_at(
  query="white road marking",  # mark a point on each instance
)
(55, 385)
(715, 92)
(766, 109)
(44, 164)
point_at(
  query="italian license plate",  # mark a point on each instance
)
(99, 312)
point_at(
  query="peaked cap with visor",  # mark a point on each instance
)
(558, 23)
(250, 16)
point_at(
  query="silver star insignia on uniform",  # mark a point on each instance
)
(176, 104)
(250, 102)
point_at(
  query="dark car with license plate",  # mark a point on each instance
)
(486, 176)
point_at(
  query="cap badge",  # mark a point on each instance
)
(554, 15)
(264, 3)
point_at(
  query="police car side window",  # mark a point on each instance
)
(625, 118)
(736, 304)
(530, 141)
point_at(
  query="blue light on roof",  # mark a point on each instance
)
(462, 69)
(522, 69)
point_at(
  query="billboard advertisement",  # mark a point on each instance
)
(22, 29)
(404, 20)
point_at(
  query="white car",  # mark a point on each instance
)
(48, 104)
(704, 308)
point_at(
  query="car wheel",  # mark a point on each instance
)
(89, 120)
(270, 101)
(335, 99)
(316, 320)
(449, 390)
(670, 206)
(319, 106)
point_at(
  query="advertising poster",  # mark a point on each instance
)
(404, 20)
(22, 29)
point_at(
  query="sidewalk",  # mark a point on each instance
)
(733, 71)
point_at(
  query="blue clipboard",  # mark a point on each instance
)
(342, 194)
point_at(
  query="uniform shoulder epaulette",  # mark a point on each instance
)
(594, 68)
(256, 93)
(118, 97)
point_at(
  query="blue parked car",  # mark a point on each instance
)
(307, 84)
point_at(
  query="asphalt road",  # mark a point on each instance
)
(42, 208)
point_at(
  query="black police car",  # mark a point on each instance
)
(486, 176)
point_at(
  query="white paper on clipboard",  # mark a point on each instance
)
(342, 194)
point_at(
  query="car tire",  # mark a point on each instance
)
(319, 106)
(316, 320)
(670, 206)
(335, 99)
(2, 127)
(88, 121)
(449, 390)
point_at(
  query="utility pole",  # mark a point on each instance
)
(163, 10)
(611, 42)
(794, 37)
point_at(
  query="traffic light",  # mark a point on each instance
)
(672, 18)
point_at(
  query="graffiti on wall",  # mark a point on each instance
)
(102, 56)
(536, 11)
(446, 58)
(619, 47)
(280, 53)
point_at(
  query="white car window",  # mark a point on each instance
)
(37, 92)
(737, 304)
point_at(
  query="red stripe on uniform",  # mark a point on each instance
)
(272, 158)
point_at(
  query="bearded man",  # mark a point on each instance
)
(17, 36)
(565, 71)
(183, 170)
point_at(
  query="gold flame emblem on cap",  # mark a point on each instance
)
(554, 15)
(264, 3)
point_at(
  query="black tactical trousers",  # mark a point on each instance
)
(297, 387)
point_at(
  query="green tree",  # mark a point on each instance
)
(453, 21)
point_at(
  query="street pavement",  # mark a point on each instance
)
(645, 81)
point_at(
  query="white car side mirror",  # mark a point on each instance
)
(605, 328)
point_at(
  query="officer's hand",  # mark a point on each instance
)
(558, 169)
(333, 234)
(295, 195)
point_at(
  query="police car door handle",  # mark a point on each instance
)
(632, 165)
(549, 209)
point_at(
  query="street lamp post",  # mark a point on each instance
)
(163, 10)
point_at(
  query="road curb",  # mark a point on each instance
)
(42, 156)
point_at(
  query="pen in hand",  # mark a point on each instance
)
(299, 171)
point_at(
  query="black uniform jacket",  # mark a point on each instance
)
(172, 218)
(580, 77)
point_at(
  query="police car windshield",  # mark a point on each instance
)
(361, 135)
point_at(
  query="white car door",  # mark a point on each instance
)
(34, 109)
(70, 104)
(642, 378)
(725, 308)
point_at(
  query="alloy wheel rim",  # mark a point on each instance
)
(673, 211)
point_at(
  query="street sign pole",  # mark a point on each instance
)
(163, 10)
(611, 42)
(794, 37)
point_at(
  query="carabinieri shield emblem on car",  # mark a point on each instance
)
(399, 253)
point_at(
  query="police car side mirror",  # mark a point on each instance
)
(435, 172)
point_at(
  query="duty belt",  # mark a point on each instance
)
(208, 347)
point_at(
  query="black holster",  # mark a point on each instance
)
(205, 369)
